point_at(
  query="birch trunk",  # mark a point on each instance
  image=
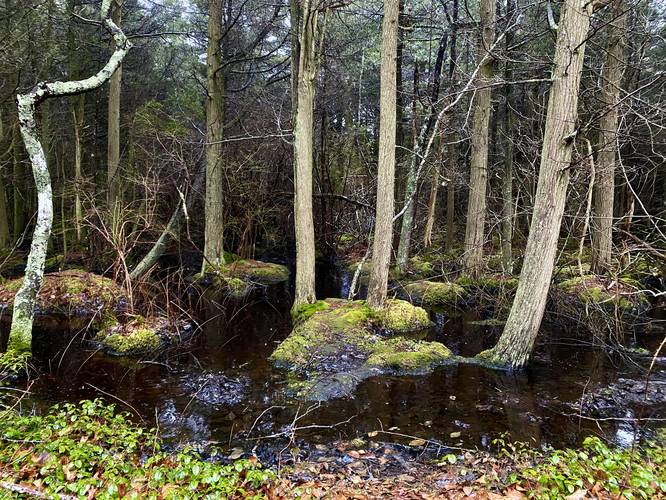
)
(303, 159)
(476, 206)
(604, 188)
(20, 336)
(215, 103)
(515, 345)
(383, 237)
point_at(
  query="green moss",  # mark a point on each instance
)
(590, 289)
(399, 316)
(431, 293)
(71, 292)
(408, 355)
(329, 349)
(141, 340)
(305, 311)
(566, 272)
(138, 336)
(420, 265)
(234, 287)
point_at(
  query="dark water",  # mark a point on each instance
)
(219, 388)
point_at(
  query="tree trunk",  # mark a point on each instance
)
(303, 159)
(604, 188)
(20, 335)
(507, 177)
(19, 186)
(515, 345)
(476, 207)
(451, 198)
(78, 117)
(381, 250)
(113, 126)
(422, 142)
(214, 210)
(434, 190)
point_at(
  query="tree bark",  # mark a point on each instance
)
(451, 198)
(215, 107)
(604, 188)
(476, 206)
(515, 345)
(20, 336)
(383, 237)
(113, 126)
(507, 175)
(303, 159)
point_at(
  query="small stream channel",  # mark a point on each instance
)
(220, 389)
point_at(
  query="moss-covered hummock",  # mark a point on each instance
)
(71, 293)
(435, 294)
(600, 291)
(239, 277)
(336, 344)
(138, 336)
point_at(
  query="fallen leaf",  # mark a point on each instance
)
(417, 442)
(455, 434)
(577, 495)
(468, 490)
(236, 453)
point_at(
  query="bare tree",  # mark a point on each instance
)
(20, 336)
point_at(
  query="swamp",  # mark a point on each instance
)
(332, 249)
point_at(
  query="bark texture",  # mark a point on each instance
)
(476, 206)
(515, 345)
(604, 188)
(113, 126)
(303, 159)
(381, 249)
(20, 336)
(214, 209)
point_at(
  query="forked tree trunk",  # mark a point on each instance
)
(214, 209)
(515, 345)
(113, 126)
(604, 188)
(381, 249)
(476, 206)
(20, 336)
(303, 159)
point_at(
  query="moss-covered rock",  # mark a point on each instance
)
(140, 335)
(399, 316)
(304, 311)
(337, 343)
(71, 294)
(406, 355)
(238, 278)
(435, 294)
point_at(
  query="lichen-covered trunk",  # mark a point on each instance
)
(478, 181)
(20, 335)
(303, 159)
(604, 188)
(215, 105)
(113, 126)
(18, 185)
(383, 233)
(515, 345)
